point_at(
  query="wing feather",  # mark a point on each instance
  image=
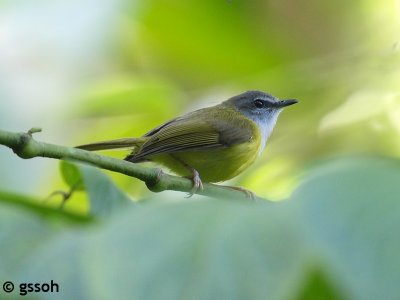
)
(191, 133)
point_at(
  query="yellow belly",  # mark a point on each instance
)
(213, 165)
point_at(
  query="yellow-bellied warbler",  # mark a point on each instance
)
(211, 144)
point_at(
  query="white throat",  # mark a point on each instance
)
(266, 124)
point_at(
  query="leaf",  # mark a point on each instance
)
(351, 208)
(202, 250)
(104, 196)
(39, 207)
(337, 237)
(71, 174)
(26, 225)
(21, 233)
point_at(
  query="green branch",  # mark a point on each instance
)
(26, 147)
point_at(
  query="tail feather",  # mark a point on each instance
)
(112, 144)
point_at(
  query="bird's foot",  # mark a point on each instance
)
(160, 174)
(197, 183)
(249, 194)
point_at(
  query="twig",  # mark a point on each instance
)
(26, 147)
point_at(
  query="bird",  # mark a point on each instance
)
(211, 144)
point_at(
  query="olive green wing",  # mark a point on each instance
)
(189, 133)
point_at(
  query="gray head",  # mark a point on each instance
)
(258, 105)
(261, 107)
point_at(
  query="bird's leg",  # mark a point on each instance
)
(195, 177)
(249, 194)
(197, 183)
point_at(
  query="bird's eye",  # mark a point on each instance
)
(258, 103)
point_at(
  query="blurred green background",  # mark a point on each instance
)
(92, 70)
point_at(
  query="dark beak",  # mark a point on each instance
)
(287, 102)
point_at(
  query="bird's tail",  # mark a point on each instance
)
(113, 144)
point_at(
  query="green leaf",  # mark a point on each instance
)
(202, 250)
(26, 225)
(71, 174)
(104, 196)
(351, 209)
(39, 207)
(21, 233)
(337, 238)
